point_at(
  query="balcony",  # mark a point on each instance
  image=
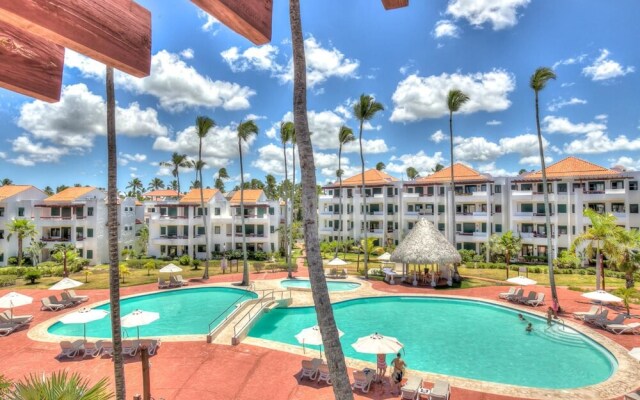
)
(410, 195)
(615, 192)
(376, 231)
(522, 193)
(55, 239)
(480, 194)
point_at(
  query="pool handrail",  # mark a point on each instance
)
(267, 294)
(233, 304)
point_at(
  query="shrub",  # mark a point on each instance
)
(195, 263)
(136, 264)
(167, 258)
(467, 255)
(12, 260)
(32, 275)
(149, 266)
(258, 256)
(185, 260)
(7, 281)
(8, 271)
(258, 267)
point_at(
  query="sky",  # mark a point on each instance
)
(408, 59)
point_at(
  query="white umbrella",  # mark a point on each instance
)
(384, 257)
(635, 353)
(84, 316)
(522, 281)
(66, 283)
(14, 299)
(170, 268)
(312, 336)
(602, 296)
(377, 344)
(337, 262)
(139, 318)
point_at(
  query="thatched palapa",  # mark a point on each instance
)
(425, 245)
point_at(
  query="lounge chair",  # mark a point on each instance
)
(310, 368)
(162, 284)
(516, 296)
(69, 349)
(539, 300)
(174, 282)
(323, 374)
(604, 322)
(410, 389)
(67, 297)
(327, 272)
(92, 349)
(344, 273)
(152, 345)
(7, 327)
(107, 348)
(531, 296)
(182, 281)
(582, 314)
(505, 295)
(15, 319)
(130, 347)
(619, 329)
(48, 305)
(76, 297)
(363, 379)
(66, 303)
(441, 391)
(594, 319)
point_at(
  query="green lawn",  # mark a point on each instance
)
(585, 281)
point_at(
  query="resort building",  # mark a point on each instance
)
(176, 226)
(483, 205)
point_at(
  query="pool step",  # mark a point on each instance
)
(560, 334)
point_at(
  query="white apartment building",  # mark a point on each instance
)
(483, 205)
(176, 227)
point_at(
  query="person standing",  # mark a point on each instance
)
(381, 365)
(398, 365)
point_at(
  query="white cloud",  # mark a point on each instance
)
(525, 145)
(491, 169)
(601, 117)
(254, 117)
(476, 149)
(567, 84)
(445, 28)
(494, 122)
(187, 54)
(559, 103)
(570, 61)
(417, 98)
(500, 14)
(424, 163)
(125, 158)
(369, 146)
(270, 159)
(534, 161)
(631, 164)
(31, 153)
(211, 22)
(599, 142)
(409, 66)
(604, 68)
(262, 58)
(437, 136)
(553, 124)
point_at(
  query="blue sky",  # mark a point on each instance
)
(407, 58)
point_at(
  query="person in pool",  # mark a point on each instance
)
(398, 365)
(529, 328)
(521, 317)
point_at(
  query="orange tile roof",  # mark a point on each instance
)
(161, 193)
(7, 191)
(250, 196)
(70, 194)
(461, 173)
(193, 197)
(372, 177)
(572, 167)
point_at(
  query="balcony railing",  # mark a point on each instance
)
(55, 239)
(174, 237)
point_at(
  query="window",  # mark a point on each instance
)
(410, 225)
(441, 190)
(526, 208)
(199, 211)
(55, 211)
(617, 184)
(163, 249)
(617, 207)
(526, 186)
(440, 208)
(430, 191)
(90, 232)
(1, 234)
(216, 230)
(90, 254)
(441, 226)
(562, 208)
(498, 228)
(1, 257)
(89, 213)
(1, 211)
(272, 211)
(216, 211)
(201, 248)
(272, 229)
(410, 208)
(498, 208)
(633, 185)
(200, 230)
(163, 231)
(498, 188)
(573, 209)
(573, 229)
(633, 208)
(79, 232)
(562, 230)
(562, 188)
(20, 211)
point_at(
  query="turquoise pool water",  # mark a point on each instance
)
(469, 339)
(334, 286)
(182, 312)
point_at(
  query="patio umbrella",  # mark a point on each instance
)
(602, 296)
(522, 281)
(377, 344)
(14, 299)
(635, 353)
(170, 268)
(312, 336)
(65, 284)
(139, 318)
(384, 257)
(84, 316)
(337, 262)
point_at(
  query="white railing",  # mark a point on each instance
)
(480, 214)
(522, 214)
(480, 234)
(614, 191)
(411, 195)
(522, 192)
(480, 194)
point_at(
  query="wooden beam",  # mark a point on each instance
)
(114, 32)
(30, 65)
(249, 18)
(391, 4)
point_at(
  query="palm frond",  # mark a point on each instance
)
(247, 129)
(366, 108)
(203, 125)
(345, 135)
(540, 78)
(455, 99)
(287, 130)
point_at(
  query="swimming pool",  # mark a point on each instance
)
(464, 338)
(182, 312)
(334, 286)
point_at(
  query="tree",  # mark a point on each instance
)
(438, 167)
(380, 166)
(143, 239)
(626, 254)
(155, 184)
(270, 188)
(538, 82)
(195, 185)
(6, 182)
(48, 190)
(507, 245)
(345, 135)
(222, 175)
(286, 132)
(22, 228)
(292, 194)
(245, 131)
(177, 161)
(174, 185)
(522, 171)
(203, 126)
(412, 173)
(364, 110)
(136, 187)
(35, 251)
(58, 386)
(64, 253)
(335, 357)
(601, 235)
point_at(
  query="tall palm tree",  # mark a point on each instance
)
(65, 252)
(245, 130)
(136, 187)
(203, 126)
(270, 187)
(48, 190)
(6, 182)
(22, 228)
(601, 235)
(292, 195)
(538, 82)
(335, 357)
(455, 99)
(345, 135)
(112, 229)
(155, 184)
(412, 173)
(222, 175)
(626, 253)
(173, 185)
(177, 161)
(380, 166)
(506, 244)
(364, 110)
(286, 131)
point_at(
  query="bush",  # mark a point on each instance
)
(32, 275)
(195, 263)
(258, 256)
(12, 260)
(7, 281)
(149, 266)
(136, 264)
(467, 255)
(258, 267)
(8, 271)
(185, 260)
(167, 258)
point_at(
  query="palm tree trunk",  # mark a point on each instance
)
(598, 268)
(205, 221)
(452, 195)
(364, 203)
(507, 259)
(287, 255)
(177, 171)
(547, 211)
(341, 211)
(333, 349)
(112, 218)
(293, 196)
(245, 265)
(20, 250)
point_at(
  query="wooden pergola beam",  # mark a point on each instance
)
(249, 18)
(391, 4)
(114, 32)
(30, 65)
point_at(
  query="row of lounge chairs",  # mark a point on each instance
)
(334, 273)
(597, 317)
(412, 389)
(94, 349)
(174, 281)
(9, 323)
(514, 295)
(69, 299)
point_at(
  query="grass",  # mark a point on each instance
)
(574, 280)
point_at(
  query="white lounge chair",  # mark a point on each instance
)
(66, 303)
(539, 300)
(441, 391)
(604, 322)
(619, 329)
(7, 327)
(107, 348)
(92, 349)
(130, 347)
(162, 284)
(48, 305)
(594, 310)
(152, 345)
(181, 281)
(525, 299)
(505, 295)
(310, 368)
(76, 297)
(594, 319)
(410, 389)
(363, 379)
(70, 349)
(323, 374)
(6, 317)
(516, 296)
(66, 297)
(174, 282)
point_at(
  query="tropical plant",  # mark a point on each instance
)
(6, 182)
(86, 272)
(270, 188)
(23, 229)
(195, 184)
(203, 126)
(64, 253)
(412, 173)
(124, 271)
(174, 185)
(364, 110)
(32, 275)
(155, 184)
(380, 166)
(245, 131)
(177, 161)
(292, 192)
(626, 294)
(143, 239)
(625, 253)
(600, 237)
(438, 167)
(60, 385)
(567, 259)
(48, 190)
(222, 175)
(345, 135)
(61, 188)
(136, 187)
(35, 251)
(507, 245)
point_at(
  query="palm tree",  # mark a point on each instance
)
(155, 184)
(335, 357)
(203, 126)
(245, 130)
(507, 245)
(173, 185)
(270, 187)
(112, 229)
(626, 253)
(603, 235)
(177, 161)
(59, 385)
(345, 135)
(64, 253)
(438, 167)
(136, 187)
(143, 239)
(61, 188)
(6, 182)
(48, 190)
(380, 166)
(364, 110)
(292, 195)
(22, 228)
(35, 251)
(286, 131)
(412, 173)
(538, 82)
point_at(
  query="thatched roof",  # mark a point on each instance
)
(425, 245)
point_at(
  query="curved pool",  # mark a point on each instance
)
(182, 312)
(333, 286)
(464, 338)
